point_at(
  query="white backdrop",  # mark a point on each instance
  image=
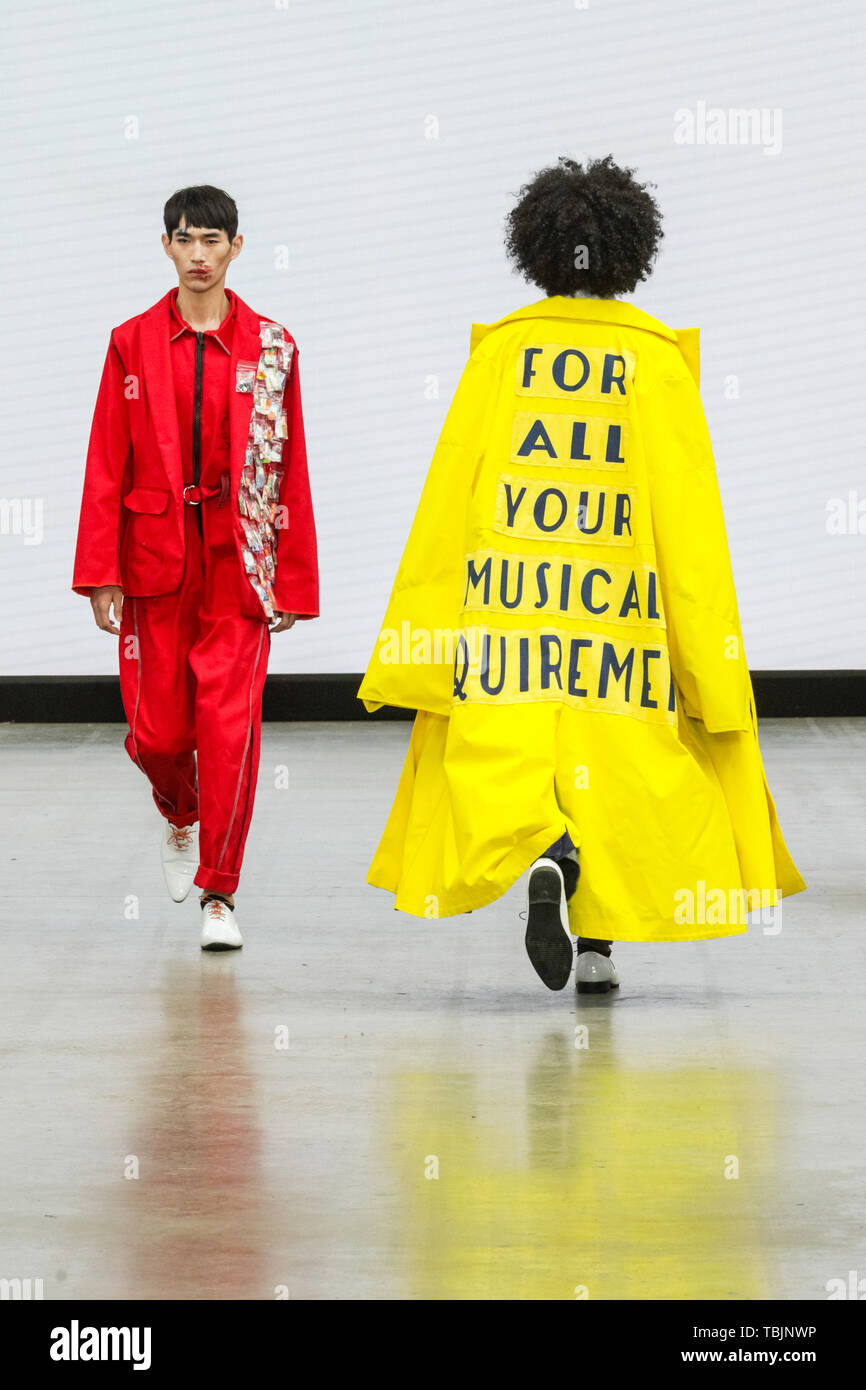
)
(382, 144)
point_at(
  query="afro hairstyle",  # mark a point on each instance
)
(599, 211)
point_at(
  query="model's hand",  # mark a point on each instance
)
(101, 600)
(284, 620)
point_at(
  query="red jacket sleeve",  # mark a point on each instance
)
(96, 561)
(296, 582)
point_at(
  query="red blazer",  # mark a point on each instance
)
(131, 526)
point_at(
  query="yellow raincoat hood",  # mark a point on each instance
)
(564, 620)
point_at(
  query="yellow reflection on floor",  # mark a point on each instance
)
(579, 1177)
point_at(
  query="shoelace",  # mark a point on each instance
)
(180, 837)
(218, 905)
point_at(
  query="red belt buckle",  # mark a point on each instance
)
(191, 501)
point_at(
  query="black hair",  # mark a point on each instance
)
(600, 207)
(203, 206)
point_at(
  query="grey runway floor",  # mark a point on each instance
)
(362, 1105)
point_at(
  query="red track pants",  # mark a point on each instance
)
(192, 672)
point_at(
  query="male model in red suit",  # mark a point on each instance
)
(197, 527)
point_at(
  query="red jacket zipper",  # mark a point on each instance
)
(196, 409)
(196, 417)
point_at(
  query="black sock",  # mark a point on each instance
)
(570, 873)
(589, 943)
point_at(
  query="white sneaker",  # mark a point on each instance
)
(594, 973)
(219, 930)
(179, 850)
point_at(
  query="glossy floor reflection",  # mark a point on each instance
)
(360, 1105)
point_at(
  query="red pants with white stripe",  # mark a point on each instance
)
(192, 672)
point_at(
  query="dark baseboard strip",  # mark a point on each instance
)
(96, 699)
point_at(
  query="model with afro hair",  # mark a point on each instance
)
(575, 453)
(584, 230)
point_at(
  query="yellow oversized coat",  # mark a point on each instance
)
(565, 623)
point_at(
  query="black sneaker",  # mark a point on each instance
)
(549, 946)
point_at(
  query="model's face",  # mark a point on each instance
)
(201, 255)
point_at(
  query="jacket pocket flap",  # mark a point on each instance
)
(152, 500)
